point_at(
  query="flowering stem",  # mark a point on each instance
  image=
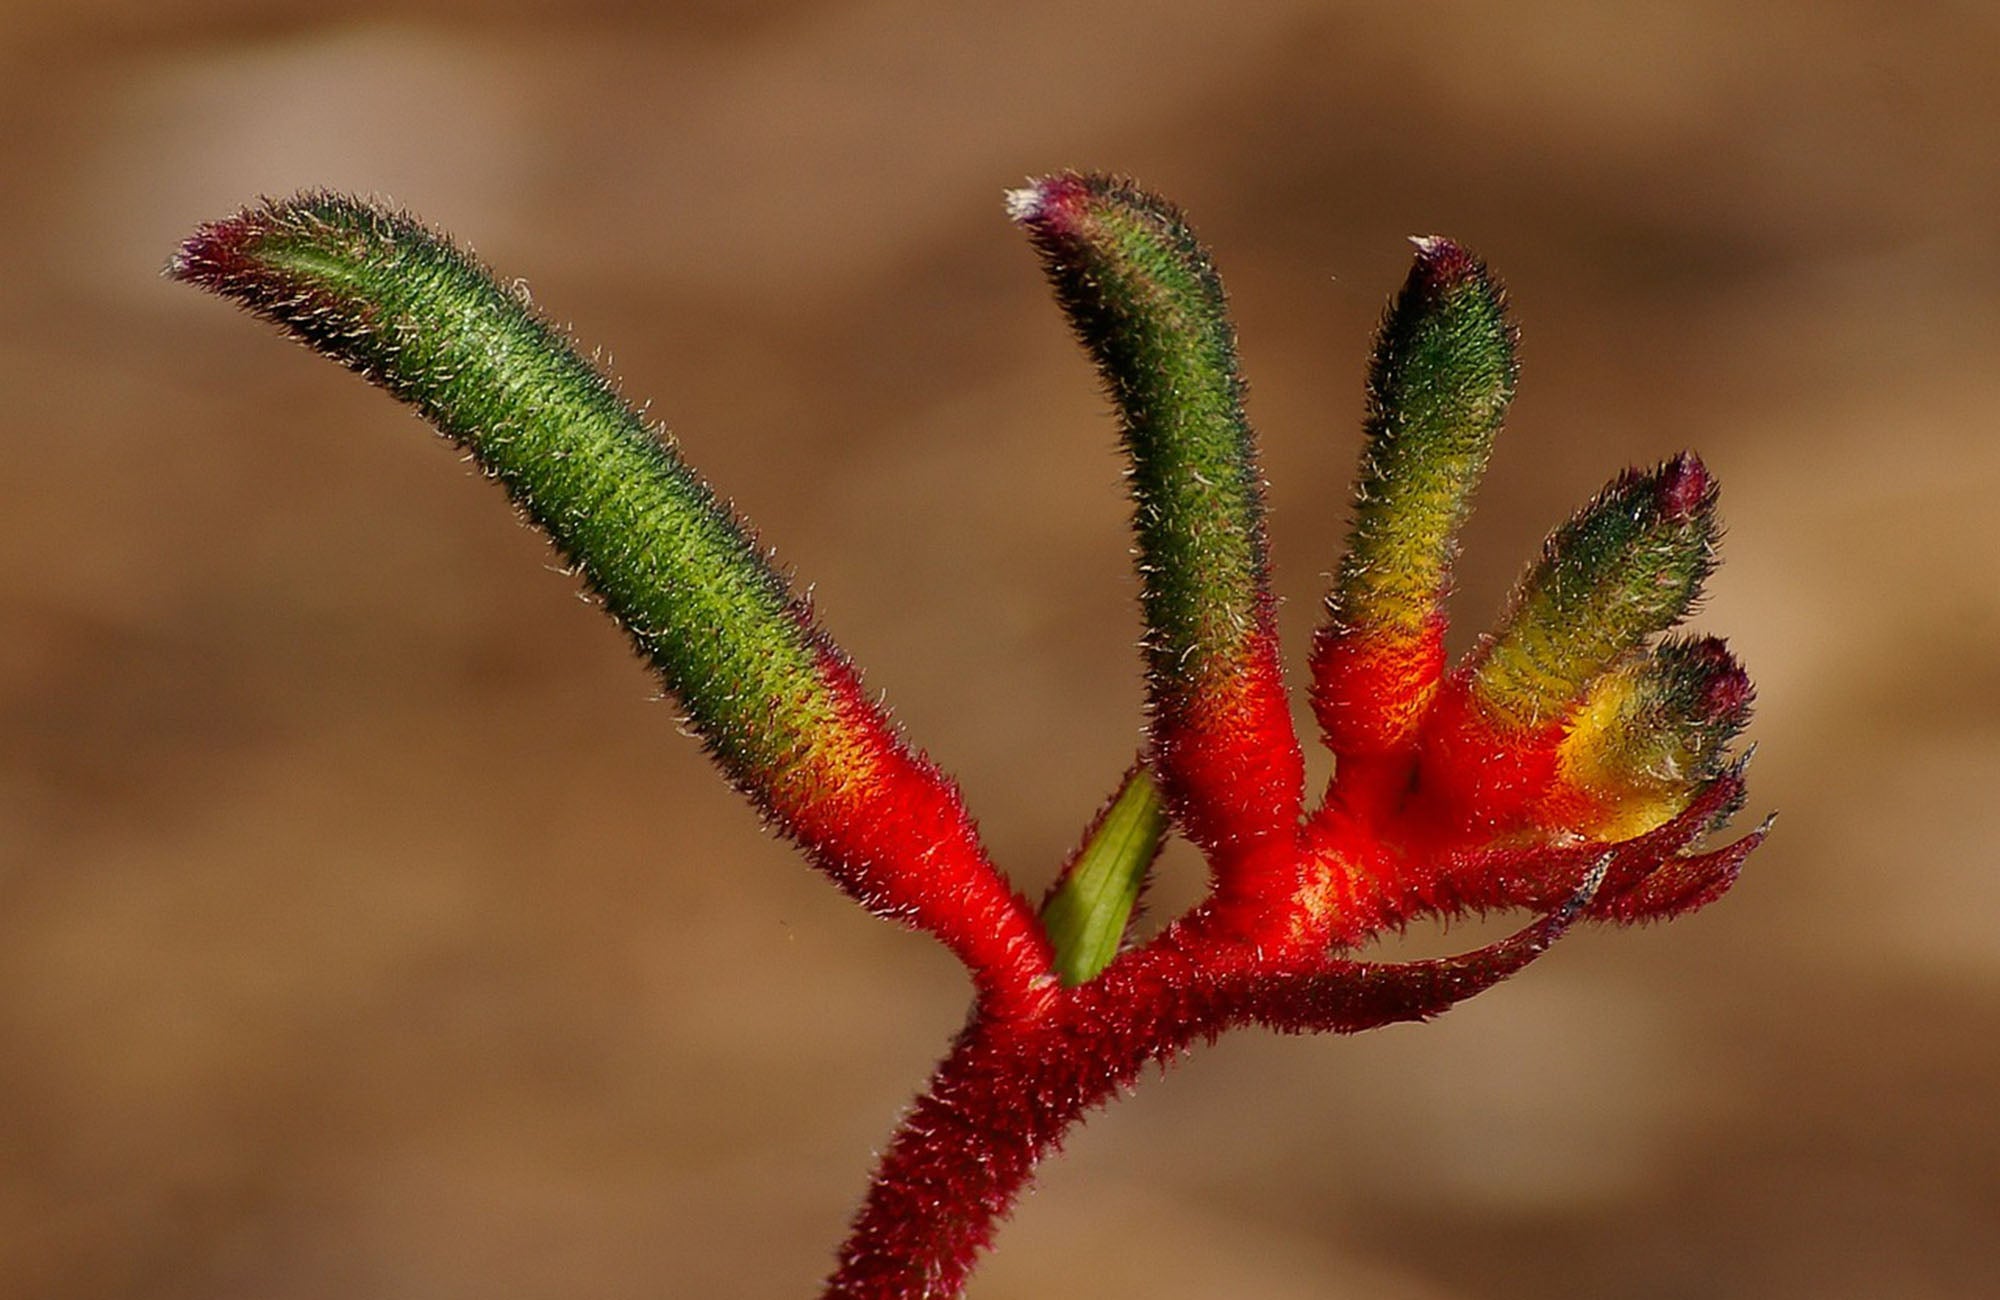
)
(1009, 1091)
(1570, 766)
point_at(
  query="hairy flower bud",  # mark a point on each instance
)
(1144, 298)
(1628, 565)
(1438, 389)
(1650, 733)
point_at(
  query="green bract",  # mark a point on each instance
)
(1090, 909)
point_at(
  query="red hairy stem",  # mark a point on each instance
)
(1010, 1090)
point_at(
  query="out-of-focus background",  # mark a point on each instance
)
(366, 931)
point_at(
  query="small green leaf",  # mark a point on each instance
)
(1091, 905)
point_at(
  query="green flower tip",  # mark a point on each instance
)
(1630, 564)
(1439, 384)
(1133, 243)
(266, 256)
(1445, 362)
(351, 278)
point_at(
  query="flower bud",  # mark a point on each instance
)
(1145, 300)
(1628, 565)
(1438, 389)
(1650, 733)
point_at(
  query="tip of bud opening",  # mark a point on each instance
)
(1023, 204)
(1684, 487)
(1442, 264)
(1726, 697)
(1045, 201)
(1712, 686)
(217, 253)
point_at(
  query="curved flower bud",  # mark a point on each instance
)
(775, 702)
(1145, 300)
(1629, 564)
(1650, 733)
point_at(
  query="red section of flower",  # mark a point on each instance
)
(1685, 487)
(1726, 690)
(1372, 685)
(1230, 761)
(216, 255)
(1538, 872)
(1478, 775)
(1441, 266)
(892, 830)
(1056, 202)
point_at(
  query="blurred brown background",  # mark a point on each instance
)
(364, 931)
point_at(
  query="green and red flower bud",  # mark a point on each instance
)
(1144, 298)
(1442, 376)
(1649, 735)
(1627, 566)
(779, 708)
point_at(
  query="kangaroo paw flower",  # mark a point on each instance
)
(1438, 389)
(1144, 298)
(1573, 766)
(776, 703)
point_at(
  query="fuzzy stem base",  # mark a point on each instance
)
(1009, 1090)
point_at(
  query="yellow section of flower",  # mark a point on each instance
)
(1648, 735)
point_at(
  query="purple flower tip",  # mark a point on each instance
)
(1684, 487)
(1442, 265)
(1051, 203)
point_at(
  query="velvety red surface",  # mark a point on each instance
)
(363, 931)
